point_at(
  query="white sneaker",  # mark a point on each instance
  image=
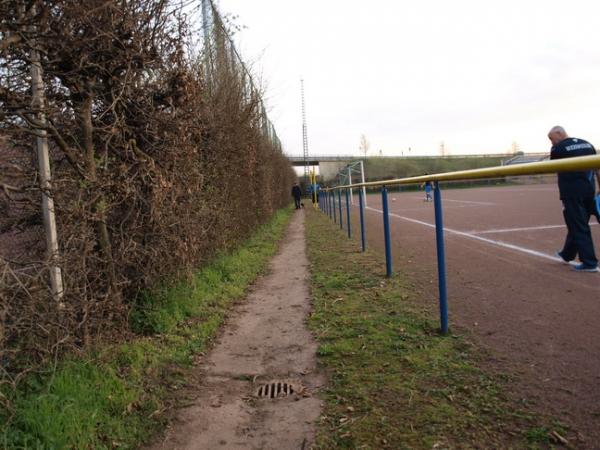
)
(559, 256)
(584, 268)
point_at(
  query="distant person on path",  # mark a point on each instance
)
(297, 194)
(577, 194)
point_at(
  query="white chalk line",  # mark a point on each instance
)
(477, 238)
(510, 230)
(469, 202)
(424, 208)
(525, 190)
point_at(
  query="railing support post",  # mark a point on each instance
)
(441, 257)
(348, 223)
(386, 232)
(334, 207)
(331, 208)
(363, 232)
(340, 209)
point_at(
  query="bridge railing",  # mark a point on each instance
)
(324, 158)
(333, 208)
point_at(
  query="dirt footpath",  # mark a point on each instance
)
(265, 340)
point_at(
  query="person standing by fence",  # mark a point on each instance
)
(577, 194)
(297, 194)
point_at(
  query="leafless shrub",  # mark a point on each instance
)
(155, 168)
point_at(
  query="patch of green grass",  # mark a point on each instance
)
(538, 434)
(406, 166)
(116, 396)
(395, 382)
(85, 404)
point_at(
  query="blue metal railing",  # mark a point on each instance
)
(363, 231)
(536, 168)
(386, 232)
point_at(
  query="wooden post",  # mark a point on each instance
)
(37, 88)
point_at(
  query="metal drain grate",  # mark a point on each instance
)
(275, 389)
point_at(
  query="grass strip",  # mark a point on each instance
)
(395, 382)
(118, 396)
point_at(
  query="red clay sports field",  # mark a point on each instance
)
(540, 318)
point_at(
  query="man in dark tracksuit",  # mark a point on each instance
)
(297, 194)
(577, 194)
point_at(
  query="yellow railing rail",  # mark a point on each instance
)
(535, 168)
(333, 208)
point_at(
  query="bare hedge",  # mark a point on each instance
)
(154, 169)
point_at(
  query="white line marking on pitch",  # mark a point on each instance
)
(477, 238)
(445, 207)
(503, 189)
(509, 230)
(465, 201)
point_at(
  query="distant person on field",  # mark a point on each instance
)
(428, 197)
(577, 194)
(297, 194)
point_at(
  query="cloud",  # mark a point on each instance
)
(477, 75)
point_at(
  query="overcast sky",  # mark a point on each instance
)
(477, 75)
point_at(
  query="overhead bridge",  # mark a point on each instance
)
(315, 160)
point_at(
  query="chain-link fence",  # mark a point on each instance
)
(223, 65)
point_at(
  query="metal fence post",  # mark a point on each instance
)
(207, 29)
(340, 209)
(350, 182)
(386, 232)
(441, 257)
(363, 233)
(348, 223)
(334, 207)
(330, 205)
(362, 180)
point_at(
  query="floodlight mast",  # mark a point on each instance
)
(304, 133)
